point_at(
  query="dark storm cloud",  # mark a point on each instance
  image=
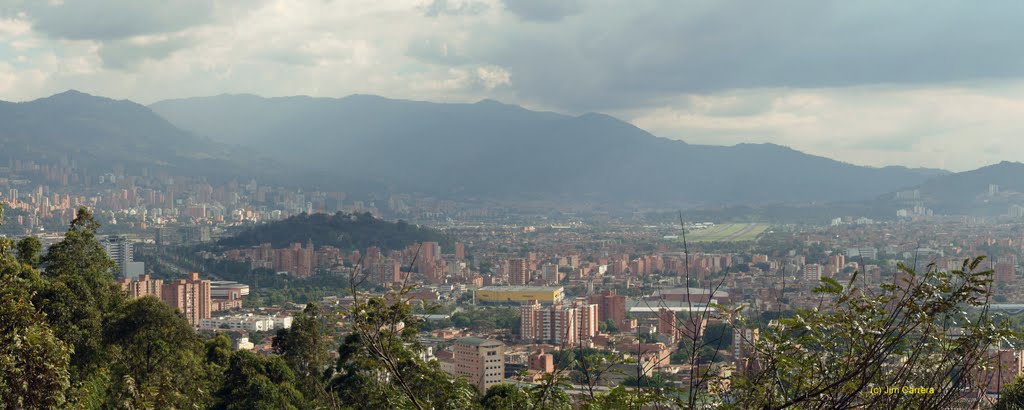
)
(543, 10)
(627, 54)
(126, 31)
(112, 19)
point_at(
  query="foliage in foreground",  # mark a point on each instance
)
(928, 330)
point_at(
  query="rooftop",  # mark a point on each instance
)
(677, 309)
(519, 288)
(691, 291)
(476, 341)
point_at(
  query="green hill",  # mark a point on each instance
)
(341, 230)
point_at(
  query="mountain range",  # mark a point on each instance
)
(485, 150)
(986, 191)
(491, 149)
(98, 133)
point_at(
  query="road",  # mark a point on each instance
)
(164, 260)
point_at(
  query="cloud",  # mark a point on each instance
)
(456, 8)
(543, 10)
(601, 54)
(952, 126)
(126, 54)
(114, 19)
(615, 54)
(436, 50)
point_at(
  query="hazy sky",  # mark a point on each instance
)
(919, 83)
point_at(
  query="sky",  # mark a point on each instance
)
(915, 83)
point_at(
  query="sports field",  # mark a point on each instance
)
(727, 233)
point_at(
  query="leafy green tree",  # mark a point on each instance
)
(380, 363)
(618, 398)
(928, 329)
(78, 294)
(611, 327)
(707, 355)
(306, 349)
(507, 397)
(550, 394)
(718, 335)
(257, 382)
(28, 250)
(157, 351)
(1011, 396)
(218, 350)
(33, 361)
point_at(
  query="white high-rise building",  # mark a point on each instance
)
(121, 249)
(813, 272)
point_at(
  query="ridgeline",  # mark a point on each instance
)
(340, 230)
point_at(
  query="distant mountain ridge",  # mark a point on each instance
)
(98, 133)
(498, 150)
(986, 191)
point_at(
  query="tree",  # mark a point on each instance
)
(1011, 396)
(549, 395)
(78, 294)
(718, 335)
(28, 250)
(256, 382)
(707, 355)
(159, 353)
(506, 397)
(928, 329)
(380, 363)
(304, 348)
(611, 327)
(33, 361)
(218, 350)
(618, 398)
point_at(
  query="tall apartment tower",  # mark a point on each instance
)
(430, 251)
(813, 272)
(480, 361)
(611, 307)
(587, 318)
(119, 248)
(190, 296)
(529, 320)
(460, 251)
(141, 287)
(518, 273)
(559, 324)
(389, 271)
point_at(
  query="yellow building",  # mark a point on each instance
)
(519, 294)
